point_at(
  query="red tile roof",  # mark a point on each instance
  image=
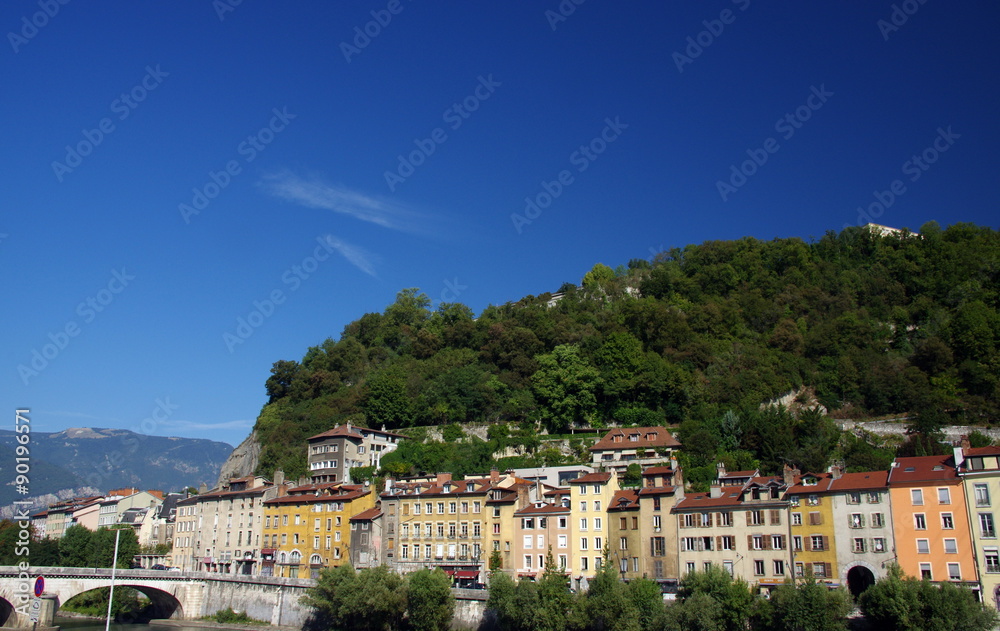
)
(740, 474)
(657, 471)
(624, 500)
(548, 509)
(353, 432)
(922, 469)
(979, 452)
(592, 478)
(823, 481)
(698, 501)
(367, 515)
(861, 481)
(661, 438)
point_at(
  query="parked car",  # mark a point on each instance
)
(159, 566)
(173, 569)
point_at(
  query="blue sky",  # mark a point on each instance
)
(172, 168)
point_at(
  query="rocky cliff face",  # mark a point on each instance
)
(243, 461)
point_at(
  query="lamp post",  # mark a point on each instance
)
(114, 564)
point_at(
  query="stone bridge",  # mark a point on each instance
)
(181, 595)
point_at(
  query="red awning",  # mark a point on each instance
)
(450, 572)
(467, 574)
(268, 550)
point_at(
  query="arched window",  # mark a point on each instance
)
(315, 560)
(282, 558)
(296, 557)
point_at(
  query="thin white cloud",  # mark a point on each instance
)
(313, 192)
(355, 255)
(192, 426)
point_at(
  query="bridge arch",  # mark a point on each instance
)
(8, 617)
(163, 603)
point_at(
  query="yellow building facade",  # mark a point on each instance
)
(309, 528)
(813, 527)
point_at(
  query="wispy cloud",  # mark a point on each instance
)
(192, 426)
(313, 192)
(356, 255)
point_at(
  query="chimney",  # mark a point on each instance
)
(720, 470)
(836, 470)
(279, 477)
(715, 491)
(494, 475)
(388, 485)
(202, 488)
(965, 444)
(788, 475)
(442, 478)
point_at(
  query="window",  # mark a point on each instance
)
(854, 497)
(944, 496)
(856, 520)
(797, 543)
(925, 571)
(757, 542)
(725, 519)
(954, 571)
(859, 544)
(562, 523)
(527, 561)
(756, 518)
(874, 497)
(583, 564)
(529, 542)
(819, 570)
(597, 523)
(986, 525)
(658, 546)
(688, 521)
(877, 520)
(476, 507)
(623, 543)
(416, 509)
(728, 566)
(583, 543)
(777, 542)
(919, 522)
(923, 546)
(728, 542)
(917, 497)
(583, 507)
(598, 544)
(815, 519)
(635, 522)
(947, 523)
(452, 507)
(982, 495)
(623, 523)
(583, 523)
(796, 519)
(706, 520)
(878, 544)
(528, 523)
(817, 542)
(328, 542)
(656, 523)
(758, 567)
(404, 551)
(690, 567)
(597, 489)
(779, 568)
(583, 489)
(800, 569)
(951, 546)
(597, 505)
(992, 560)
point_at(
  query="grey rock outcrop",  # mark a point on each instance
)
(243, 461)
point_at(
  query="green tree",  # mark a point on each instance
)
(607, 603)
(101, 547)
(430, 604)
(647, 598)
(369, 600)
(898, 603)
(554, 598)
(804, 606)
(387, 402)
(733, 597)
(74, 547)
(565, 387)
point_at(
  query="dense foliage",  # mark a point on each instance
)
(873, 325)
(898, 603)
(78, 547)
(380, 600)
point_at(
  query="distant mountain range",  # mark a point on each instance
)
(83, 460)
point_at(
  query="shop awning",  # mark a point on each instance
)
(450, 572)
(467, 574)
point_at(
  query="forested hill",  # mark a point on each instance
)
(703, 334)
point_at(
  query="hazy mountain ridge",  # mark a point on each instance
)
(103, 459)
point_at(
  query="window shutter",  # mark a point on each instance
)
(829, 570)
(775, 517)
(767, 542)
(718, 543)
(826, 542)
(807, 542)
(748, 518)
(749, 542)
